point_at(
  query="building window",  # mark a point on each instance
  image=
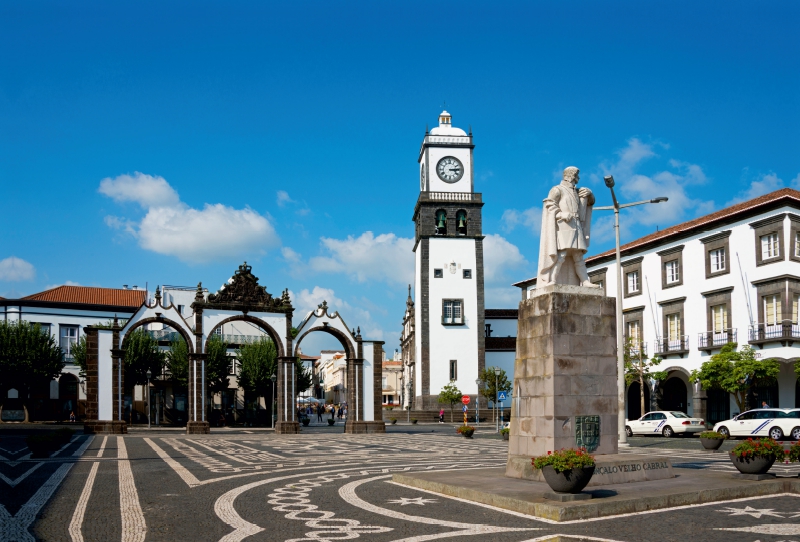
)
(674, 327)
(180, 310)
(797, 244)
(453, 370)
(453, 311)
(719, 318)
(717, 260)
(383, 382)
(633, 281)
(673, 272)
(772, 309)
(795, 303)
(467, 273)
(769, 246)
(634, 332)
(438, 273)
(69, 336)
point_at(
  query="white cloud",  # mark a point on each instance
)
(530, 218)
(499, 257)
(766, 184)
(307, 300)
(13, 269)
(290, 255)
(146, 190)
(283, 198)
(172, 228)
(385, 258)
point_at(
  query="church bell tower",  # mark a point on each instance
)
(448, 248)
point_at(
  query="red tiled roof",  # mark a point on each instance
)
(696, 224)
(91, 296)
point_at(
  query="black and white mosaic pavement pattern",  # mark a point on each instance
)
(319, 487)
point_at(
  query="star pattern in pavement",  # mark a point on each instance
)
(748, 511)
(402, 501)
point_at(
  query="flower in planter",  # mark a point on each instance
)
(465, 429)
(793, 453)
(712, 434)
(564, 459)
(764, 447)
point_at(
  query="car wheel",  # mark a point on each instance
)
(796, 433)
(775, 433)
(727, 434)
(630, 433)
(668, 432)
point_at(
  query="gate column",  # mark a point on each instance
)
(197, 423)
(104, 382)
(286, 385)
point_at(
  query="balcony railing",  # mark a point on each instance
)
(785, 333)
(449, 196)
(167, 335)
(678, 346)
(711, 340)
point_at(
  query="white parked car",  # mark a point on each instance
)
(665, 422)
(777, 423)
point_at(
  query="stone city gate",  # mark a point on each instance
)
(242, 299)
(363, 369)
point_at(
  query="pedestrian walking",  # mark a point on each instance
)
(319, 412)
(441, 415)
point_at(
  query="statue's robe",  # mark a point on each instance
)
(572, 234)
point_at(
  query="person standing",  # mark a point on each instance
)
(319, 412)
(441, 415)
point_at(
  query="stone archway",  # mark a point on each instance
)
(635, 402)
(674, 395)
(160, 320)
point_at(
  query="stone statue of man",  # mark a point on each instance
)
(566, 222)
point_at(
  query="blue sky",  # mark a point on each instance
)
(143, 142)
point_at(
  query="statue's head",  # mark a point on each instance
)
(571, 175)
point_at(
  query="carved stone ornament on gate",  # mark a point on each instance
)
(587, 432)
(244, 289)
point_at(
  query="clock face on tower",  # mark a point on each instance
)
(422, 178)
(450, 169)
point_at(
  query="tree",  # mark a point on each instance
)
(736, 372)
(178, 362)
(452, 395)
(78, 352)
(29, 357)
(638, 369)
(258, 361)
(493, 384)
(304, 376)
(217, 364)
(142, 354)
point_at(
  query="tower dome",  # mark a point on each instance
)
(445, 127)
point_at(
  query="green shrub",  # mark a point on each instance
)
(504, 431)
(563, 460)
(712, 434)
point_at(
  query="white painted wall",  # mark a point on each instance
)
(458, 342)
(105, 375)
(367, 385)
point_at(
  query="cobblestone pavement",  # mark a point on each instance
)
(321, 486)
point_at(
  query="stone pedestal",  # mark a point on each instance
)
(198, 428)
(287, 428)
(105, 427)
(565, 375)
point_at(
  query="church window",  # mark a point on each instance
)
(438, 273)
(453, 311)
(461, 223)
(453, 370)
(467, 273)
(441, 222)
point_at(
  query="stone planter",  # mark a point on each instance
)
(331, 421)
(711, 443)
(394, 421)
(569, 481)
(467, 433)
(504, 435)
(306, 421)
(414, 422)
(752, 465)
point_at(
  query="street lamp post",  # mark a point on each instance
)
(609, 180)
(496, 416)
(272, 408)
(478, 400)
(149, 408)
